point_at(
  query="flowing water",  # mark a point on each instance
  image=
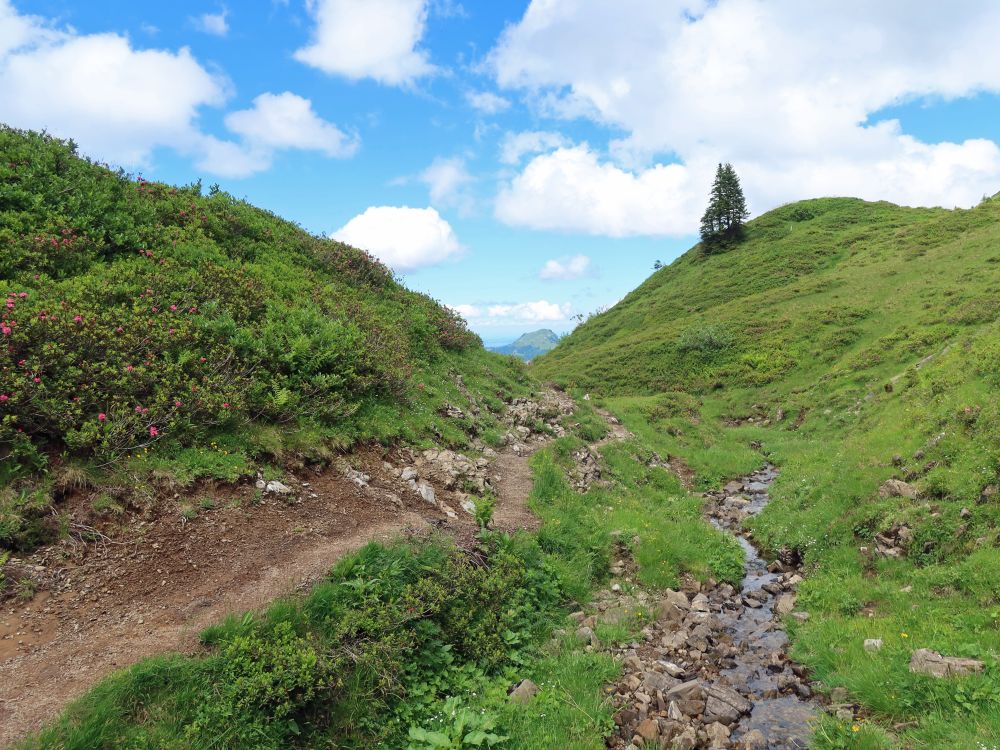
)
(784, 719)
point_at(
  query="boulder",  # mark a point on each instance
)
(691, 690)
(785, 604)
(426, 492)
(686, 740)
(649, 730)
(524, 692)
(898, 488)
(925, 661)
(724, 705)
(718, 735)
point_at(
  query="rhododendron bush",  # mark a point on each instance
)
(135, 313)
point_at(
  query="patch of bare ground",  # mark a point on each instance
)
(150, 585)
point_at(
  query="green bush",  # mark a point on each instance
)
(139, 314)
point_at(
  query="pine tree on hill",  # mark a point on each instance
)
(722, 222)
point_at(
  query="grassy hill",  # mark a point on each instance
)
(852, 343)
(175, 333)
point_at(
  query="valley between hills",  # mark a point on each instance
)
(256, 493)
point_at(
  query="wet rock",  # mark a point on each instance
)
(925, 661)
(692, 690)
(524, 692)
(718, 735)
(724, 705)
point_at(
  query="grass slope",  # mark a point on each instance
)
(850, 342)
(164, 332)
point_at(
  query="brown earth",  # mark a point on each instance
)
(150, 587)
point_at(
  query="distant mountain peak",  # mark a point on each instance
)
(530, 345)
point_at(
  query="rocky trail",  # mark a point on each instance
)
(110, 596)
(712, 671)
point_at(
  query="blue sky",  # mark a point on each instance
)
(523, 162)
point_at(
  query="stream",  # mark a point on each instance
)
(782, 710)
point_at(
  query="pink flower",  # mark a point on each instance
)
(173, 308)
(153, 432)
(5, 330)
(102, 417)
(129, 368)
(138, 410)
(225, 405)
(178, 404)
(119, 329)
(23, 295)
(77, 319)
(37, 379)
(4, 397)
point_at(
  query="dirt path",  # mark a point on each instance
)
(106, 606)
(513, 487)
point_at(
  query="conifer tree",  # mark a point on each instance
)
(722, 223)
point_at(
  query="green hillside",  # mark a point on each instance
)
(151, 330)
(851, 343)
(530, 345)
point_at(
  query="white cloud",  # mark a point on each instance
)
(572, 190)
(517, 145)
(120, 103)
(215, 24)
(286, 120)
(519, 313)
(467, 311)
(783, 89)
(487, 102)
(446, 179)
(368, 39)
(566, 269)
(117, 102)
(403, 238)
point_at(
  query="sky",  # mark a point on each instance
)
(523, 162)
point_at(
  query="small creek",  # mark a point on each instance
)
(783, 717)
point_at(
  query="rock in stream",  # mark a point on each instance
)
(712, 671)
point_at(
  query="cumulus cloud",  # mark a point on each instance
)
(487, 102)
(215, 24)
(117, 102)
(286, 121)
(516, 146)
(120, 103)
(540, 311)
(405, 239)
(566, 269)
(785, 90)
(368, 39)
(571, 189)
(446, 180)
